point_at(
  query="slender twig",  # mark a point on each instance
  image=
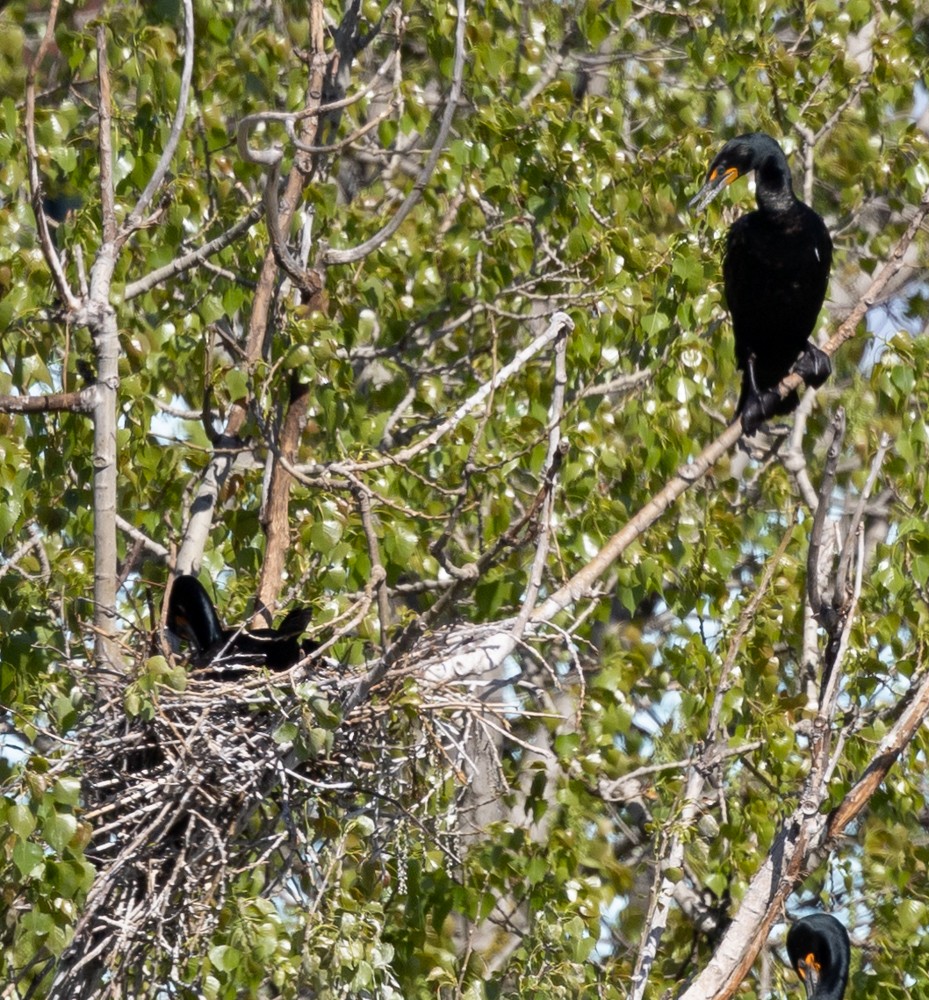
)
(814, 594)
(35, 183)
(552, 464)
(134, 219)
(337, 147)
(271, 157)
(181, 264)
(621, 383)
(350, 256)
(613, 791)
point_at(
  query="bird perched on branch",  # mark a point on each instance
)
(819, 952)
(192, 619)
(775, 274)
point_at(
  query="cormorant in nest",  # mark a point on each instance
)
(193, 619)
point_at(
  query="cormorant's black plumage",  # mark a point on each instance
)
(819, 952)
(193, 619)
(775, 272)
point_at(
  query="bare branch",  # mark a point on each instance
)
(59, 402)
(559, 322)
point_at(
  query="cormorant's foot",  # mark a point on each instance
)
(813, 366)
(758, 408)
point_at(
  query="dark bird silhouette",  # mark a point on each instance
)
(775, 273)
(819, 952)
(193, 619)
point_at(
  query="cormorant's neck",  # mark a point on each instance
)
(205, 622)
(191, 614)
(773, 189)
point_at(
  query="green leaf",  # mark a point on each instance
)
(28, 858)
(225, 958)
(58, 830)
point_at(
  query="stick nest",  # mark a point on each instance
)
(203, 785)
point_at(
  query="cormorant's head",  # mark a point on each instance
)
(191, 615)
(754, 151)
(819, 952)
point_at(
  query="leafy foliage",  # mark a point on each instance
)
(562, 186)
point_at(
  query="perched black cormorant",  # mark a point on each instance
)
(819, 952)
(193, 619)
(775, 273)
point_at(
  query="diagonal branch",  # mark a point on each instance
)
(803, 834)
(560, 321)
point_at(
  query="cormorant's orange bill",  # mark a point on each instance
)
(729, 175)
(808, 969)
(719, 179)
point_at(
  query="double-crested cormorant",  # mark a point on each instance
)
(193, 619)
(819, 952)
(775, 273)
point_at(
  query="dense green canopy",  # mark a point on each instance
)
(396, 310)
